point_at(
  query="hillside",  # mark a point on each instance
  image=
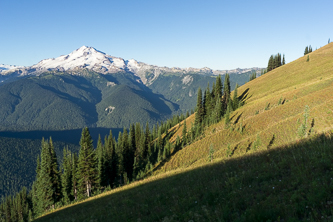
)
(18, 162)
(61, 101)
(262, 169)
(295, 85)
(58, 97)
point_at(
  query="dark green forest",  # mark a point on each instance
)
(70, 177)
(18, 162)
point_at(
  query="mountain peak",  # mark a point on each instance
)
(83, 57)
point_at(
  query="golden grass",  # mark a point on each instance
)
(298, 83)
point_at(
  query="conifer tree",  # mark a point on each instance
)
(279, 60)
(253, 76)
(283, 60)
(131, 151)
(226, 92)
(67, 176)
(137, 134)
(199, 108)
(48, 179)
(74, 191)
(100, 153)
(184, 132)
(218, 87)
(55, 174)
(306, 51)
(217, 111)
(227, 118)
(270, 63)
(87, 166)
(207, 101)
(34, 194)
(111, 160)
(146, 141)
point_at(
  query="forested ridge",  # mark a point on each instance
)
(114, 162)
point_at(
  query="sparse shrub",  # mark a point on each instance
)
(267, 106)
(302, 132)
(257, 112)
(280, 101)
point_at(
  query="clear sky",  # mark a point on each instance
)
(221, 34)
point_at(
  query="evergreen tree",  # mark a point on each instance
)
(227, 118)
(137, 134)
(55, 174)
(48, 179)
(147, 141)
(270, 65)
(310, 48)
(87, 166)
(184, 132)
(124, 164)
(218, 87)
(226, 92)
(283, 60)
(207, 101)
(306, 51)
(111, 160)
(217, 111)
(34, 194)
(100, 151)
(132, 150)
(67, 176)
(199, 108)
(253, 76)
(74, 191)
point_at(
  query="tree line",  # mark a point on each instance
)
(114, 162)
(275, 61)
(307, 50)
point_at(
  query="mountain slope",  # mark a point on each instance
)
(271, 173)
(295, 85)
(57, 101)
(18, 162)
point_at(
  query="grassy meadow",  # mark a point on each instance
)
(259, 168)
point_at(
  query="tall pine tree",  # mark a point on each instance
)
(87, 172)
(199, 108)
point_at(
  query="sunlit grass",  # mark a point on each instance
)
(282, 176)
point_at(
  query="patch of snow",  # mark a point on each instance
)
(187, 80)
(110, 84)
(4, 67)
(109, 109)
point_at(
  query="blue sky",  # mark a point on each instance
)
(175, 33)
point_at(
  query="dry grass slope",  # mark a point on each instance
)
(270, 173)
(295, 85)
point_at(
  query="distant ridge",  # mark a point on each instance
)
(90, 58)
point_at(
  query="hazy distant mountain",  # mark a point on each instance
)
(90, 88)
(58, 97)
(97, 61)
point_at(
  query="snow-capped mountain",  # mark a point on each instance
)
(92, 59)
(4, 67)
